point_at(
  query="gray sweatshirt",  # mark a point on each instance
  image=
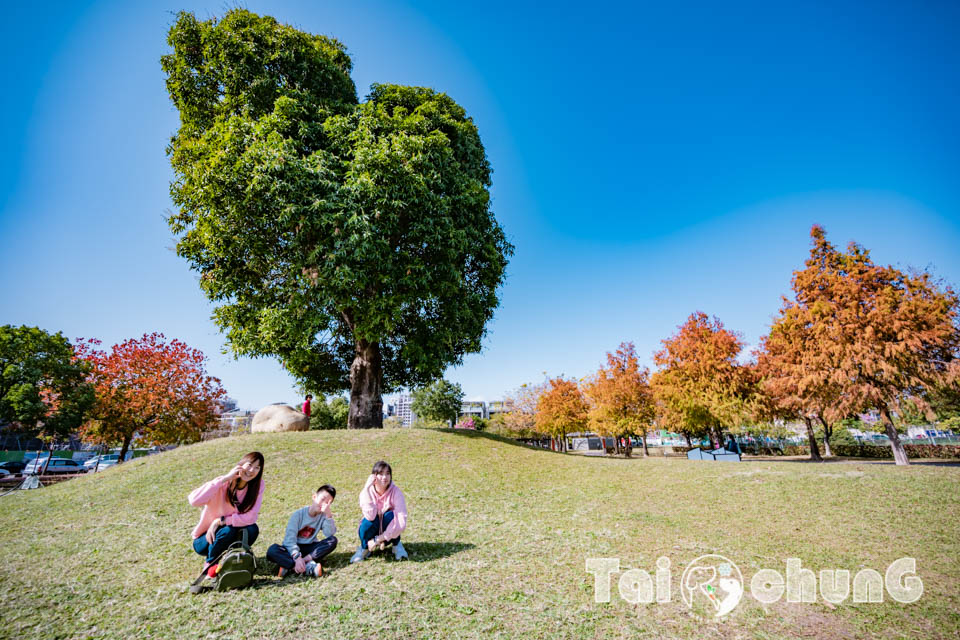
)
(302, 529)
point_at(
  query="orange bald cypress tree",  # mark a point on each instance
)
(860, 336)
(561, 409)
(622, 402)
(699, 386)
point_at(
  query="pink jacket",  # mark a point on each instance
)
(373, 505)
(213, 495)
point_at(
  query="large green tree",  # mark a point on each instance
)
(354, 241)
(43, 388)
(440, 400)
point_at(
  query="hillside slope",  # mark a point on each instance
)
(498, 538)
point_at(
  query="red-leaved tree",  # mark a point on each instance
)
(152, 387)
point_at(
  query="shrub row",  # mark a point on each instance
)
(941, 451)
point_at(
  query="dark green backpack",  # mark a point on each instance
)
(237, 566)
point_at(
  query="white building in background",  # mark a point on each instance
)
(401, 408)
(404, 412)
(474, 408)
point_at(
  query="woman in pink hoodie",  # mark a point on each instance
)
(231, 503)
(384, 514)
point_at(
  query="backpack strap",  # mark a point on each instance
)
(196, 586)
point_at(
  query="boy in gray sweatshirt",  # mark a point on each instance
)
(301, 551)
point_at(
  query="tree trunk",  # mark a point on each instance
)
(899, 454)
(123, 449)
(49, 458)
(689, 443)
(814, 450)
(643, 438)
(827, 433)
(366, 375)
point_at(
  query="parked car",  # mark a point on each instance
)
(106, 464)
(13, 467)
(57, 465)
(105, 460)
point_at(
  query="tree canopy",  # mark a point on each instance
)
(440, 400)
(151, 387)
(353, 241)
(330, 414)
(561, 409)
(620, 395)
(860, 336)
(520, 418)
(699, 384)
(43, 388)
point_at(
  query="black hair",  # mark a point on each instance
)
(329, 489)
(382, 466)
(253, 487)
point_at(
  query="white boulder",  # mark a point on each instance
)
(279, 417)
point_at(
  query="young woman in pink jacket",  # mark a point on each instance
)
(384, 514)
(231, 503)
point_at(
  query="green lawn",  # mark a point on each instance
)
(498, 538)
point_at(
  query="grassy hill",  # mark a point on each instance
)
(498, 538)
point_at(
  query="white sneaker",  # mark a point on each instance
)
(314, 570)
(399, 553)
(359, 555)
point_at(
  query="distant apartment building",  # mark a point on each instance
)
(474, 408)
(483, 409)
(404, 412)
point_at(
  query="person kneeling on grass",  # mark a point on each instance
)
(231, 504)
(384, 514)
(301, 551)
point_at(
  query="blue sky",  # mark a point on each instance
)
(650, 159)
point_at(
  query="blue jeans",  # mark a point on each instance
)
(225, 536)
(370, 529)
(319, 549)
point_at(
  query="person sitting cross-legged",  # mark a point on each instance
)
(384, 514)
(301, 550)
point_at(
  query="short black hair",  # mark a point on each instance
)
(380, 467)
(329, 489)
(309, 396)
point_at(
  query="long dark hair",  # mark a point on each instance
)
(382, 466)
(253, 487)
